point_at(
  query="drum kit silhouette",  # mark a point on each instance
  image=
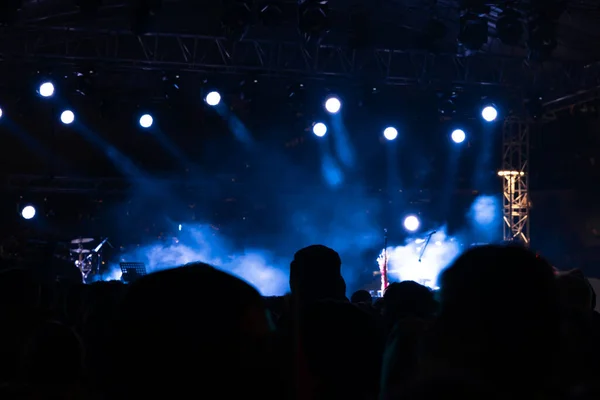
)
(87, 260)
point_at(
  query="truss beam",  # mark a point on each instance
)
(515, 175)
(211, 54)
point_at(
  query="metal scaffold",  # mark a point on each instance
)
(515, 174)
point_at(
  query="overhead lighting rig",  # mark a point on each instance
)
(313, 19)
(237, 17)
(473, 30)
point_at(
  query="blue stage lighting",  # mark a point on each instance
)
(320, 129)
(67, 117)
(489, 113)
(146, 121)
(458, 136)
(411, 223)
(213, 99)
(28, 212)
(390, 133)
(46, 89)
(333, 105)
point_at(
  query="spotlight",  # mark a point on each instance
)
(67, 117)
(333, 105)
(46, 89)
(320, 129)
(489, 113)
(28, 212)
(213, 99)
(390, 133)
(146, 121)
(411, 223)
(458, 136)
(1, 113)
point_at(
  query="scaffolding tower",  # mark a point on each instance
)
(515, 174)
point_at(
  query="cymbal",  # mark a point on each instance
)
(80, 251)
(82, 240)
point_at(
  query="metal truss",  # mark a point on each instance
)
(515, 173)
(41, 184)
(211, 54)
(566, 103)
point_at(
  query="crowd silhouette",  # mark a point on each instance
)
(504, 325)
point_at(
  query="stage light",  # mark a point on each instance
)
(333, 105)
(489, 113)
(146, 121)
(1, 113)
(458, 136)
(28, 212)
(320, 129)
(46, 89)
(411, 223)
(390, 133)
(213, 99)
(67, 117)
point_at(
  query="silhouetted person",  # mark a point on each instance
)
(361, 296)
(191, 332)
(499, 320)
(315, 274)
(408, 299)
(20, 295)
(343, 348)
(408, 311)
(580, 327)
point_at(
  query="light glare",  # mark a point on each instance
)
(28, 212)
(458, 136)
(333, 105)
(67, 117)
(320, 129)
(146, 121)
(489, 113)
(411, 223)
(213, 99)
(46, 89)
(390, 133)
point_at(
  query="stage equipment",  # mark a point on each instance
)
(458, 136)
(28, 212)
(213, 99)
(320, 129)
(80, 251)
(46, 89)
(132, 271)
(515, 172)
(411, 223)
(146, 121)
(384, 265)
(429, 235)
(82, 262)
(489, 113)
(390, 133)
(82, 240)
(333, 105)
(202, 53)
(67, 117)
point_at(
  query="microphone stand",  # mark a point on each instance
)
(425, 245)
(384, 269)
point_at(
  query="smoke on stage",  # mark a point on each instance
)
(201, 243)
(421, 260)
